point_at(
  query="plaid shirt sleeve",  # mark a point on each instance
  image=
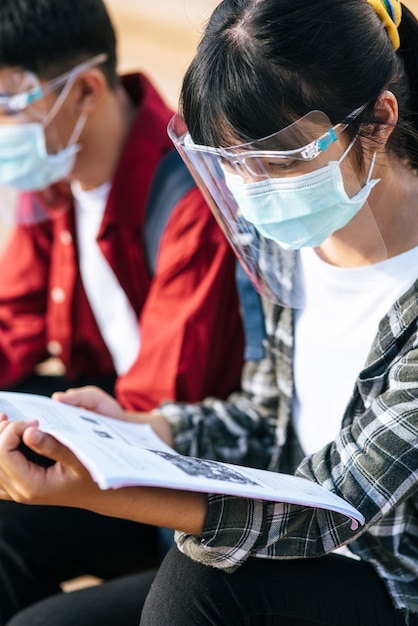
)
(240, 430)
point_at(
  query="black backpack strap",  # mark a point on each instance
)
(172, 180)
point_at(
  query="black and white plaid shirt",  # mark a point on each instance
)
(373, 463)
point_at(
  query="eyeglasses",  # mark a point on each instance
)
(314, 132)
(24, 88)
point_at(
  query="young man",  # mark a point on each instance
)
(74, 279)
(77, 278)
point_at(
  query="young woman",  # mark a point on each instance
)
(299, 121)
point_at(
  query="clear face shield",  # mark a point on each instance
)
(293, 189)
(26, 162)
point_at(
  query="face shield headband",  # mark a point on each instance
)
(286, 191)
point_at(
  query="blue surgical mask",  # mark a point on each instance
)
(300, 211)
(24, 160)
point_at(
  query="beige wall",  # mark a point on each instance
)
(159, 37)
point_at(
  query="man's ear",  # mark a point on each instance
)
(89, 89)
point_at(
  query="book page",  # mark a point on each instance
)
(119, 454)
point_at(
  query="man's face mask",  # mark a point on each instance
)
(282, 193)
(25, 163)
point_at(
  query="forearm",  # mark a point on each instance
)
(68, 483)
(179, 510)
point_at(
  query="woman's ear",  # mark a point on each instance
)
(386, 112)
(89, 90)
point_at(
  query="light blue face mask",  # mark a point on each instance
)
(300, 211)
(24, 161)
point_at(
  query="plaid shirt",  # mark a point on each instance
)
(373, 463)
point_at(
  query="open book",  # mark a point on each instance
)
(119, 454)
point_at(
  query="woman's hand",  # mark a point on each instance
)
(66, 482)
(97, 400)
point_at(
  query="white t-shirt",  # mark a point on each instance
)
(114, 314)
(341, 316)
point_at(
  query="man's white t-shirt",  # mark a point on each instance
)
(114, 314)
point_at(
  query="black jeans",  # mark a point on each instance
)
(41, 546)
(331, 591)
(46, 385)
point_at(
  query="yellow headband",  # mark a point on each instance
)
(389, 12)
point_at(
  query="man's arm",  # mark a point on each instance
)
(23, 295)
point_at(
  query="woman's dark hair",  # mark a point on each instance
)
(49, 37)
(263, 64)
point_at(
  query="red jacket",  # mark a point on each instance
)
(191, 330)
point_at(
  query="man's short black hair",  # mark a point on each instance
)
(49, 37)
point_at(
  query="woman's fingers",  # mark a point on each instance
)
(92, 398)
(26, 478)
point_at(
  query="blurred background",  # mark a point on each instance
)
(159, 37)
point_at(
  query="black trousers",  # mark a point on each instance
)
(46, 385)
(331, 591)
(40, 547)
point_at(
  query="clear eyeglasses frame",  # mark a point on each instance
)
(13, 104)
(252, 156)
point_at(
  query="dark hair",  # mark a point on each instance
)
(49, 37)
(262, 64)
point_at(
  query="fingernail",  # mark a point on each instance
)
(35, 436)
